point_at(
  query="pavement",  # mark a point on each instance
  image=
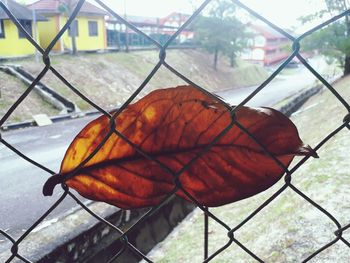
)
(287, 84)
(22, 202)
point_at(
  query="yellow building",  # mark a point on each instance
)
(89, 28)
(13, 42)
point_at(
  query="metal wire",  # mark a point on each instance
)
(123, 234)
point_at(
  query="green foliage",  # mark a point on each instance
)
(214, 33)
(220, 31)
(333, 41)
(337, 5)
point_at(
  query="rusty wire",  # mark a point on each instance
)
(123, 235)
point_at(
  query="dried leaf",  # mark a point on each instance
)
(173, 126)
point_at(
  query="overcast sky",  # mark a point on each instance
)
(281, 12)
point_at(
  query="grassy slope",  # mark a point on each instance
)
(289, 229)
(11, 89)
(109, 79)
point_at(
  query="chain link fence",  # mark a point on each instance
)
(123, 235)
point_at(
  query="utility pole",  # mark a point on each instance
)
(126, 30)
(35, 34)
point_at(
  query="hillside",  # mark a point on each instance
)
(109, 79)
(11, 89)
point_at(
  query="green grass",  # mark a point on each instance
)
(289, 229)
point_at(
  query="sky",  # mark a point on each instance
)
(285, 13)
(282, 12)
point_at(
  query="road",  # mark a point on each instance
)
(284, 85)
(21, 200)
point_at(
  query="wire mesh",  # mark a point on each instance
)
(162, 48)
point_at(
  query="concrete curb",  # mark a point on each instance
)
(48, 94)
(296, 101)
(54, 119)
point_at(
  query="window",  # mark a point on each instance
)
(93, 30)
(272, 51)
(73, 30)
(2, 30)
(27, 25)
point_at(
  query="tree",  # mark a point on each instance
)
(334, 40)
(66, 7)
(220, 32)
(238, 42)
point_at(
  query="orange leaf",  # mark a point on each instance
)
(173, 126)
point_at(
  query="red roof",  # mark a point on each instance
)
(178, 15)
(51, 6)
(267, 32)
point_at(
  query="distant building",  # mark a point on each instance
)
(176, 20)
(158, 28)
(13, 42)
(266, 47)
(90, 26)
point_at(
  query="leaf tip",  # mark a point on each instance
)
(307, 151)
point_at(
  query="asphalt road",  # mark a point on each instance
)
(284, 85)
(21, 199)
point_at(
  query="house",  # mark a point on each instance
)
(13, 42)
(90, 33)
(266, 47)
(161, 29)
(176, 20)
